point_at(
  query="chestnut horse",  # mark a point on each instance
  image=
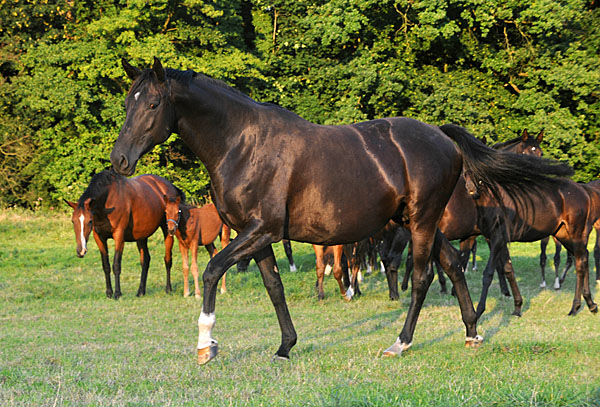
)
(194, 227)
(125, 210)
(277, 176)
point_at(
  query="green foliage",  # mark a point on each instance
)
(495, 67)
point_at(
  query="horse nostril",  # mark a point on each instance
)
(123, 163)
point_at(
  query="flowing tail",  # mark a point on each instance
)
(516, 174)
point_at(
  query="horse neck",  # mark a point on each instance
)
(211, 118)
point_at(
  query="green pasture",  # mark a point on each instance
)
(63, 343)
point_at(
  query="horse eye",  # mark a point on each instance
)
(153, 105)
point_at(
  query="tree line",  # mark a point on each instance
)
(494, 67)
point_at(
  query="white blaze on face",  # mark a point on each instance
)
(136, 96)
(82, 236)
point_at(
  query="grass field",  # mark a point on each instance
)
(63, 343)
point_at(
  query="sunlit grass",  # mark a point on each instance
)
(64, 343)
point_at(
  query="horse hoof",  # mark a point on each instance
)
(516, 313)
(543, 284)
(222, 292)
(473, 342)
(198, 296)
(396, 349)
(207, 354)
(278, 358)
(293, 268)
(594, 308)
(557, 284)
(349, 294)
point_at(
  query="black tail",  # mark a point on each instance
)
(517, 174)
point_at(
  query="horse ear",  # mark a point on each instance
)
(484, 139)
(178, 199)
(525, 135)
(71, 204)
(540, 136)
(132, 72)
(158, 70)
(87, 203)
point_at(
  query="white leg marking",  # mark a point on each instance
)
(327, 270)
(397, 348)
(557, 283)
(382, 267)
(369, 269)
(543, 285)
(359, 276)
(293, 268)
(206, 322)
(349, 293)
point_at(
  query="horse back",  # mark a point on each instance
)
(139, 206)
(204, 223)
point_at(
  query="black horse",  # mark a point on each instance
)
(277, 176)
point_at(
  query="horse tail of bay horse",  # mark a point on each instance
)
(517, 174)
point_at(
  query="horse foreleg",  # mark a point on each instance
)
(543, 258)
(168, 261)
(338, 273)
(212, 250)
(119, 245)
(287, 248)
(186, 268)
(265, 259)
(320, 270)
(495, 244)
(103, 248)
(247, 242)
(142, 245)
(507, 268)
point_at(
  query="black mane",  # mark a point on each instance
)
(98, 186)
(507, 143)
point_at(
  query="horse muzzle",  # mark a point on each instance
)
(81, 252)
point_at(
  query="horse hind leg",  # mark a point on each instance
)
(597, 256)
(320, 270)
(557, 281)
(543, 259)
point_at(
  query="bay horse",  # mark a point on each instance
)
(125, 210)
(277, 176)
(560, 277)
(194, 227)
(565, 209)
(340, 269)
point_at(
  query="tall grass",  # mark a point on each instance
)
(64, 343)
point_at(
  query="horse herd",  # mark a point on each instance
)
(389, 184)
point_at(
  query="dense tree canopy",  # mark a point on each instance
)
(495, 67)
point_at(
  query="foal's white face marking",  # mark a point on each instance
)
(83, 241)
(136, 96)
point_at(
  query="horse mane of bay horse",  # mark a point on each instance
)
(277, 176)
(125, 210)
(194, 227)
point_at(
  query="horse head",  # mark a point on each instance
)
(82, 224)
(172, 213)
(530, 145)
(149, 120)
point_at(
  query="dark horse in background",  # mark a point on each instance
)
(125, 210)
(277, 176)
(462, 219)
